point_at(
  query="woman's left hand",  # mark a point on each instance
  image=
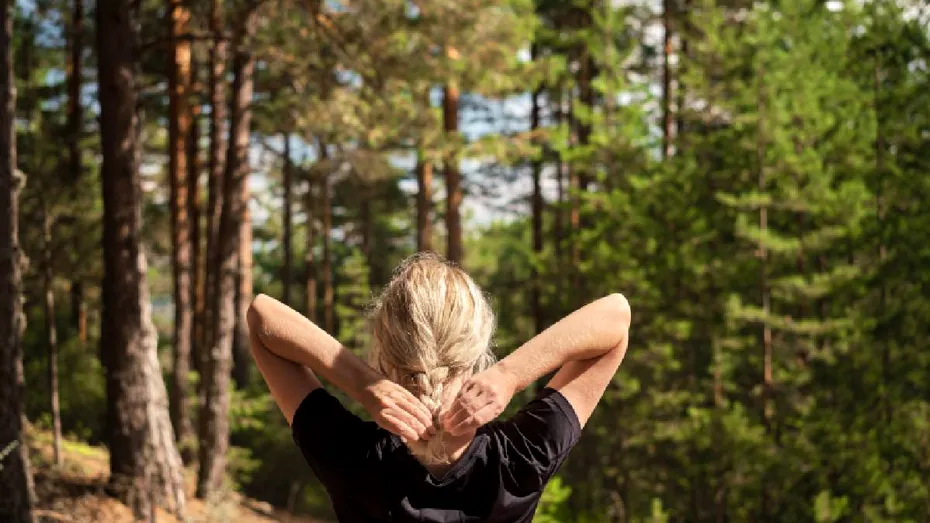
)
(481, 399)
(398, 411)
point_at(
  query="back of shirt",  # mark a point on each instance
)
(371, 476)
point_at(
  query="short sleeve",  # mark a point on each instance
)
(334, 441)
(535, 442)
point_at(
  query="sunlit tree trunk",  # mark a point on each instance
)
(73, 70)
(537, 219)
(214, 418)
(178, 136)
(15, 476)
(216, 174)
(287, 266)
(309, 256)
(666, 79)
(242, 363)
(450, 116)
(329, 294)
(424, 202)
(195, 211)
(51, 332)
(144, 463)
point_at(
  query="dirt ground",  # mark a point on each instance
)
(75, 492)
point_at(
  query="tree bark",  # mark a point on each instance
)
(309, 261)
(51, 332)
(214, 420)
(764, 291)
(666, 79)
(73, 70)
(144, 462)
(194, 206)
(288, 175)
(424, 202)
(178, 136)
(450, 114)
(242, 362)
(329, 295)
(537, 212)
(216, 175)
(15, 476)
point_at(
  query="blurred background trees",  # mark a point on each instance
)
(753, 176)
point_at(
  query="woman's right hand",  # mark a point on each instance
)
(398, 411)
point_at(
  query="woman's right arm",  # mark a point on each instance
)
(586, 347)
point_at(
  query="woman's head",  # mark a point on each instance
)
(431, 326)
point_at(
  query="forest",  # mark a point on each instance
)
(752, 175)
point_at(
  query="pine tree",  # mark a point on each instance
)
(144, 463)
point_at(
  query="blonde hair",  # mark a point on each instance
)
(431, 325)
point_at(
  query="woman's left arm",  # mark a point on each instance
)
(288, 349)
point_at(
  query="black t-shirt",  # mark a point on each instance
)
(371, 477)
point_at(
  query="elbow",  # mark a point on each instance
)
(619, 310)
(257, 312)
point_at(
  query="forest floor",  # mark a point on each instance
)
(75, 492)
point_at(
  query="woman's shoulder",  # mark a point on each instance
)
(542, 432)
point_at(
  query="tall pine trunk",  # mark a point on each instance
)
(242, 363)
(15, 476)
(329, 294)
(309, 256)
(214, 418)
(178, 136)
(450, 119)
(666, 79)
(144, 462)
(51, 333)
(424, 202)
(764, 291)
(215, 176)
(288, 175)
(195, 211)
(75, 123)
(537, 219)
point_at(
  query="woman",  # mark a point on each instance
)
(434, 452)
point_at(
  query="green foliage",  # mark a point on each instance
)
(793, 204)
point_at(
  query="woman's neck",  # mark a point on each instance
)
(456, 445)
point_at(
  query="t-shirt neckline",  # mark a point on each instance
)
(458, 468)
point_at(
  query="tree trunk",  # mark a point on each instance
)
(450, 115)
(583, 128)
(144, 462)
(51, 332)
(214, 420)
(178, 135)
(73, 70)
(194, 206)
(242, 362)
(537, 206)
(288, 174)
(765, 298)
(216, 176)
(309, 261)
(666, 79)
(424, 202)
(574, 214)
(15, 476)
(329, 303)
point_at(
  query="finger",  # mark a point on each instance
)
(463, 400)
(479, 418)
(417, 409)
(396, 426)
(460, 417)
(399, 412)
